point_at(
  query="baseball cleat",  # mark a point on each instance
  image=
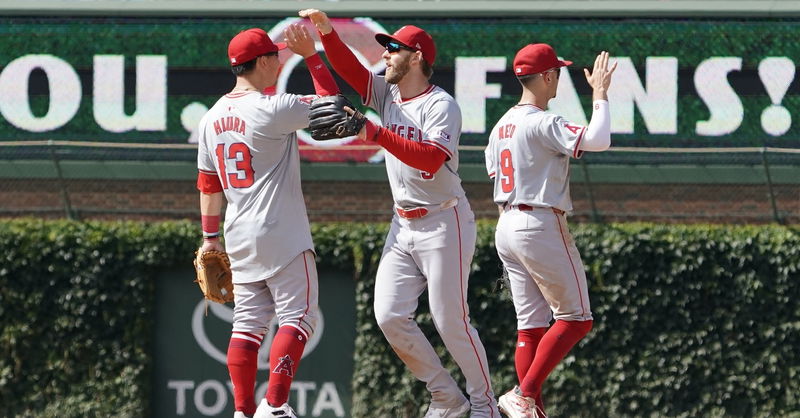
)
(456, 412)
(239, 414)
(514, 405)
(265, 410)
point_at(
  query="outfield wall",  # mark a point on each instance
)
(695, 83)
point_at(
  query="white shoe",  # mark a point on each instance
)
(456, 412)
(515, 405)
(265, 410)
(239, 414)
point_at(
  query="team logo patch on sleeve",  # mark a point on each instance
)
(572, 128)
(444, 135)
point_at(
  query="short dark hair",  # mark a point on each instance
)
(526, 79)
(247, 67)
(244, 68)
(427, 69)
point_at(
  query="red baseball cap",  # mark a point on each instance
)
(249, 44)
(537, 58)
(412, 37)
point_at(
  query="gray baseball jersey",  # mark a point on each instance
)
(528, 157)
(432, 117)
(248, 140)
(433, 252)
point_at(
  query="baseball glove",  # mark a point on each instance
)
(214, 275)
(328, 118)
(503, 284)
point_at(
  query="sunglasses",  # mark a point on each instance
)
(553, 70)
(393, 47)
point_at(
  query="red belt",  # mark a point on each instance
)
(412, 213)
(419, 212)
(525, 207)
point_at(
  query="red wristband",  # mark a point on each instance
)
(210, 225)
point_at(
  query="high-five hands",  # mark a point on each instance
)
(299, 40)
(319, 19)
(600, 77)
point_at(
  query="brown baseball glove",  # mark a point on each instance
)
(214, 275)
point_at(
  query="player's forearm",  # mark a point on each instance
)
(324, 84)
(210, 209)
(598, 133)
(211, 203)
(345, 63)
(415, 154)
(599, 94)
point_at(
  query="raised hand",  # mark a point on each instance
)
(600, 77)
(299, 40)
(319, 19)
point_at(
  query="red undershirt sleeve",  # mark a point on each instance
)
(208, 182)
(345, 63)
(324, 84)
(420, 156)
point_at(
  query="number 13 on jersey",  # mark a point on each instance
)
(242, 177)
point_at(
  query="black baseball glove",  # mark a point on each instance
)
(328, 118)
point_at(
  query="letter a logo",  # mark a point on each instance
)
(574, 129)
(285, 366)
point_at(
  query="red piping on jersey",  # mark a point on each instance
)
(426, 91)
(420, 156)
(572, 264)
(368, 100)
(464, 309)
(345, 63)
(239, 94)
(438, 145)
(528, 104)
(578, 151)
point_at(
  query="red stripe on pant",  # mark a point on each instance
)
(464, 316)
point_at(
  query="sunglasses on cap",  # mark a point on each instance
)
(552, 70)
(393, 47)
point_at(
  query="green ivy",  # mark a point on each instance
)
(76, 304)
(689, 320)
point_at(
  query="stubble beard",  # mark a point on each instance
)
(396, 72)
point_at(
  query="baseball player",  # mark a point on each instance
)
(432, 236)
(248, 155)
(528, 157)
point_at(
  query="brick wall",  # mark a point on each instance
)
(371, 201)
